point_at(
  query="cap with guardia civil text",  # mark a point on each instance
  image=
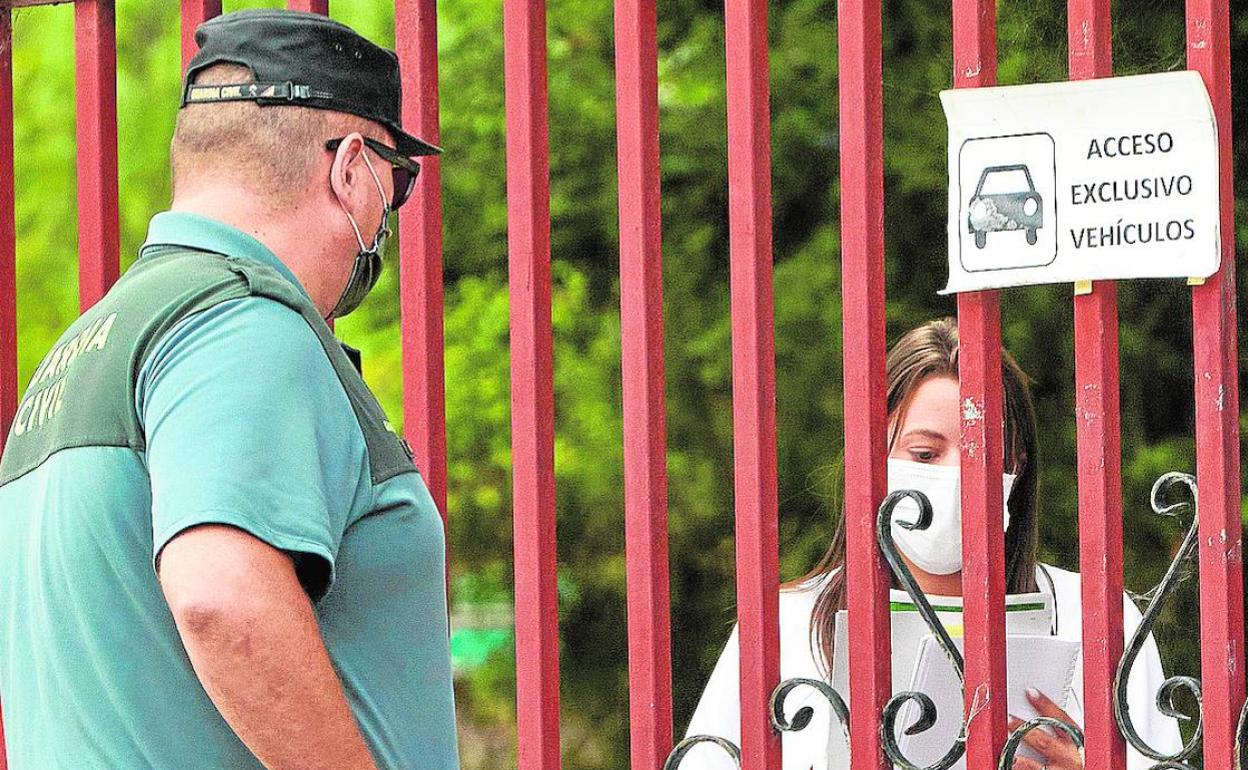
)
(302, 59)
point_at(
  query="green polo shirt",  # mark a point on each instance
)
(237, 411)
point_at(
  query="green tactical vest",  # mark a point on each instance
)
(83, 393)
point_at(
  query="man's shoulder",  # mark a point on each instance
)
(171, 274)
(159, 291)
(180, 266)
(176, 296)
(251, 336)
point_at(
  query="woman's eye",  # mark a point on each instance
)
(923, 455)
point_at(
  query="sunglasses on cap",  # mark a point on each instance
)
(403, 169)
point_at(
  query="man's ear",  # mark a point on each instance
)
(347, 165)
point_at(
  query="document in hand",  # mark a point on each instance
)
(1030, 614)
(1025, 614)
(1044, 663)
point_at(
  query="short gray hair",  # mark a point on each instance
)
(269, 150)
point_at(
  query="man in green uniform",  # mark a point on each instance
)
(213, 552)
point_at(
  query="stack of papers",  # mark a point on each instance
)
(1035, 659)
(1041, 662)
(1025, 615)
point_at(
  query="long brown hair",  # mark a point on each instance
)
(931, 350)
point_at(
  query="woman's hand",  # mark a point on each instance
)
(1058, 751)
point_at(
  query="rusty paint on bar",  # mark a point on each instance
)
(983, 541)
(1215, 354)
(194, 13)
(866, 419)
(645, 413)
(1098, 432)
(753, 376)
(532, 384)
(95, 45)
(1100, 518)
(420, 251)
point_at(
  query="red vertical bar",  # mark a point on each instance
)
(194, 13)
(983, 541)
(8, 238)
(645, 415)
(532, 386)
(1217, 417)
(866, 386)
(753, 376)
(98, 219)
(420, 250)
(1097, 424)
(311, 6)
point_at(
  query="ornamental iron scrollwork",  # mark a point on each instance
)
(927, 709)
(782, 723)
(802, 717)
(1175, 684)
(684, 747)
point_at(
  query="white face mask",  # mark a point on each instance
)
(937, 549)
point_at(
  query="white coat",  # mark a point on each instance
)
(719, 711)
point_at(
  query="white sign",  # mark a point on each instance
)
(1079, 181)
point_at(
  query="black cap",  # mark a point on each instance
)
(302, 59)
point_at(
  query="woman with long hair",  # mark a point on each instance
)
(923, 453)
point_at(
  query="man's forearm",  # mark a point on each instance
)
(253, 640)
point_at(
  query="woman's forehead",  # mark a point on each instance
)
(933, 408)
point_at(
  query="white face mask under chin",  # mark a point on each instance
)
(937, 549)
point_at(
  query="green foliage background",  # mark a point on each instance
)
(1156, 360)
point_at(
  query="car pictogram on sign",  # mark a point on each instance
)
(1005, 199)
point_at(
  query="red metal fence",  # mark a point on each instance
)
(861, 136)
(1099, 449)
